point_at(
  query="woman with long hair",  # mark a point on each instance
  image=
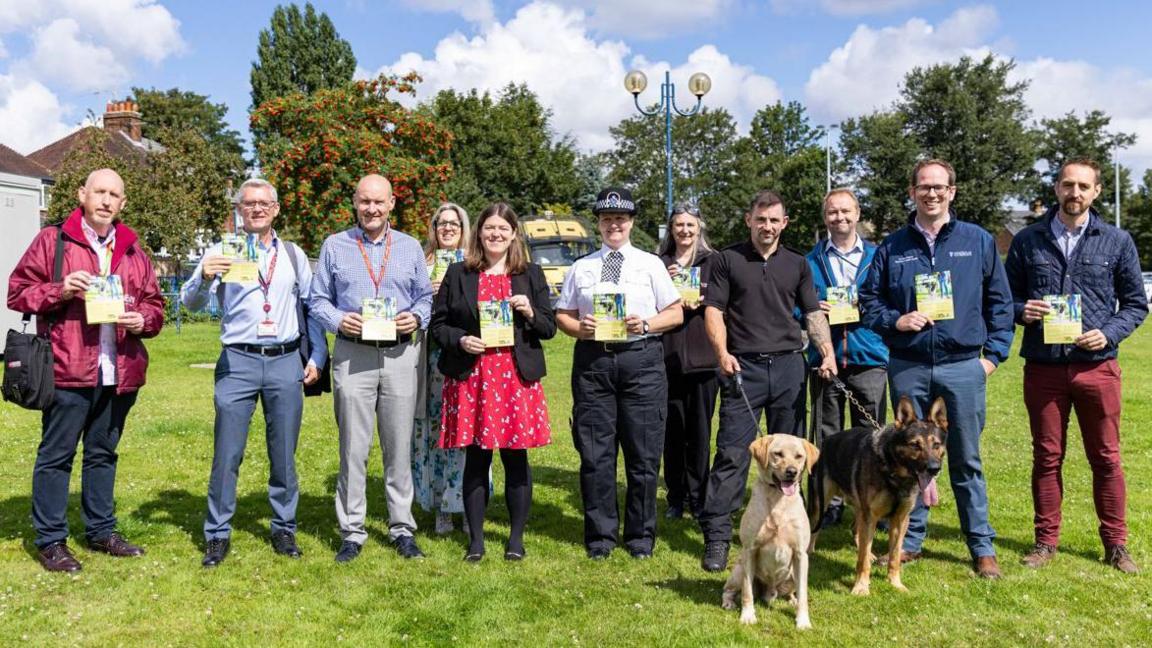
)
(436, 472)
(493, 398)
(690, 364)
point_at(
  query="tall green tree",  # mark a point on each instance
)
(181, 110)
(784, 152)
(1136, 217)
(299, 52)
(1070, 136)
(969, 114)
(173, 194)
(878, 156)
(704, 166)
(504, 148)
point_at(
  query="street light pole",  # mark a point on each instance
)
(828, 155)
(698, 84)
(1116, 160)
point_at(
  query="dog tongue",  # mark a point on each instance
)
(928, 492)
(790, 488)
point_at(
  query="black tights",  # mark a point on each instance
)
(517, 494)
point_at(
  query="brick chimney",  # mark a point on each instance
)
(123, 117)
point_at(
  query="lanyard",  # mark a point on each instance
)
(265, 284)
(376, 281)
(104, 258)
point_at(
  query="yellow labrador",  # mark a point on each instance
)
(774, 531)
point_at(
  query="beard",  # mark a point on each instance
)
(1073, 207)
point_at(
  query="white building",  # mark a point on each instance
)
(22, 195)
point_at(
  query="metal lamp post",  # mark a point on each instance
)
(698, 84)
(1116, 159)
(828, 155)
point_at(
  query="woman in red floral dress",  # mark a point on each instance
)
(493, 398)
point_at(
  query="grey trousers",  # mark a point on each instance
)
(374, 388)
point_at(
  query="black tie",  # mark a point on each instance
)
(612, 265)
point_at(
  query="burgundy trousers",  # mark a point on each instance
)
(1051, 391)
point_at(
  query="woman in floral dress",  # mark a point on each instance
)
(436, 472)
(493, 398)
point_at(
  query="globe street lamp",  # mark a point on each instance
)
(698, 84)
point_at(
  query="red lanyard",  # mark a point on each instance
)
(265, 284)
(376, 281)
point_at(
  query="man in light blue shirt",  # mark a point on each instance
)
(260, 330)
(374, 380)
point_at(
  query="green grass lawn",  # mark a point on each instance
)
(556, 596)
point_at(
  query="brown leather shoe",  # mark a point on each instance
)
(1118, 557)
(987, 567)
(57, 558)
(905, 558)
(1039, 556)
(115, 545)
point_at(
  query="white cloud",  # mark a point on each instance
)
(31, 114)
(867, 71)
(76, 46)
(581, 79)
(843, 7)
(651, 18)
(478, 11)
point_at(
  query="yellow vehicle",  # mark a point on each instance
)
(554, 243)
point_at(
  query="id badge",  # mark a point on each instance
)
(267, 328)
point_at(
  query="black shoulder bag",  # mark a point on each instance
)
(324, 384)
(29, 380)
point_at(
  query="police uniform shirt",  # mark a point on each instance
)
(644, 281)
(758, 295)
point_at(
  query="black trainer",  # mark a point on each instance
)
(348, 551)
(406, 546)
(215, 552)
(284, 543)
(715, 556)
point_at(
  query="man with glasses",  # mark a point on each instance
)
(938, 295)
(374, 378)
(260, 332)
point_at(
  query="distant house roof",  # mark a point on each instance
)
(121, 121)
(16, 164)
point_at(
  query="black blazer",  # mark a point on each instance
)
(455, 314)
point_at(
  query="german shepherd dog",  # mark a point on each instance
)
(880, 473)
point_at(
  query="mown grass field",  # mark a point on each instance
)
(556, 596)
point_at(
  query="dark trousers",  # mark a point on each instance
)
(241, 379)
(869, 385)
(688, 437)
(1050, 394)
(774, 385)
(96, 416)
(619, 400)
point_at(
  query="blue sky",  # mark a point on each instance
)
(63, 59)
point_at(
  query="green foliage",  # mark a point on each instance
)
(878, 157)
(505, 149)
(970, 115)
(181, 109)
(1136, 217)
(299, 53)
(1069, 137)
(330, 139)
(171, 193)
(704, 166)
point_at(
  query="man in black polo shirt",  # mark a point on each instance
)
(753, 289)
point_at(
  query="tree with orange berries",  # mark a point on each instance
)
(319, 145)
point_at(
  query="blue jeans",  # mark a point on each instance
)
(241, 379)
(962, 386)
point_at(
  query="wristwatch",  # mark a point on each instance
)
(645, 328)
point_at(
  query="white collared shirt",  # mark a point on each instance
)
(844, 265)
(929, 236)
(644, 281)
(104, 249)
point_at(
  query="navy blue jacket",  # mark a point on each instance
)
(1104, 270)
(981, 298)
(865, 348)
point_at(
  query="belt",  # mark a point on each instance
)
(403, 338)
(621, 347)
(767, 356)
(267, 350)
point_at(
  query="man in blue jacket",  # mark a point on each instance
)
(841, 261)
(932, 355)
(1074, 256)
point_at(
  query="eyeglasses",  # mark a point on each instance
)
(252, 205)
(447, 225)
(925, 190)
